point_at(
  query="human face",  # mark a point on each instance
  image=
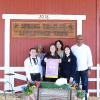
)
(58, 45)
(79, 40)
(40, 49)
(67, 51)
(33, 53)
(52, 48)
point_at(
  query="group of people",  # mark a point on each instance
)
(74, 62)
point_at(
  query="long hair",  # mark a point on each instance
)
(62, 45)
(49, 52)
(67, 46)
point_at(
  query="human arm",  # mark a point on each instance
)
(40, 67)
(43, 64)
(89, 59)
(26, 67)
(73, 66)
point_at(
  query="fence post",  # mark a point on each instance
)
(98, 79)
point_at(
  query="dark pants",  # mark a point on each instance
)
(83, 75)
(35, 76)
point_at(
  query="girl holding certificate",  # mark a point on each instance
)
(51, 63)
(68, 65)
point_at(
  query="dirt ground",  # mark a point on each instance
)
(94, 98)
(14, 98)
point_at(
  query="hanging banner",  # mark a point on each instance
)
(52, 68)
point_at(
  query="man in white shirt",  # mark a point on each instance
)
(33, 66)
(84, 62)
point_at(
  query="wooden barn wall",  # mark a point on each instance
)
(98, 31)
(19, 46)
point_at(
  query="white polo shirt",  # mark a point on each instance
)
(83, 55)
(31, 67)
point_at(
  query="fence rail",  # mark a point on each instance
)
(22, 77)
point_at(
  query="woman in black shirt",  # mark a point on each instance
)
(68, 65)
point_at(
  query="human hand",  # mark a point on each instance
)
(45, 59)
(29, 81)
(60, 60)
(89, 72)
(71, 80)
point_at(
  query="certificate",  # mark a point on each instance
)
(52, 68)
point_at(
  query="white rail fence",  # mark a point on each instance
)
(10, 79)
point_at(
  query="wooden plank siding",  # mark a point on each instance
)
(19, 46)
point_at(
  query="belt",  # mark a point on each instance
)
(35, 73)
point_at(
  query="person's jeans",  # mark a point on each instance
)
(83, 75)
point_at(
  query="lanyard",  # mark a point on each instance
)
(35, 60)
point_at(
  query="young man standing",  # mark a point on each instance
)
(33, 66)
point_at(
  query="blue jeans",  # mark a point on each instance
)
(83, 75)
